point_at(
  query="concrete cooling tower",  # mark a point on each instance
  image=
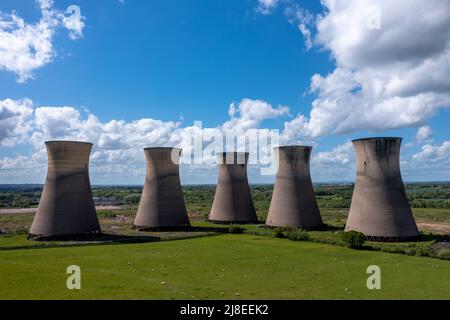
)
(380, 208)
(66, 207)
(293, 203)
(162, 202)
(233, 201)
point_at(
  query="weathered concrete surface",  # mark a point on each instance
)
(380, 208)
(294, 203)
(233, 201)
(162, 203)
(66, 206)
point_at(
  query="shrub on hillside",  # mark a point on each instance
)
(278, 233)
(298, 235)
(235, 230)
(354, 239)
(411, 251)
(394, 249)
(443, 254)
(132, 199)
(21, 231)
(425, 252)
(106, 214)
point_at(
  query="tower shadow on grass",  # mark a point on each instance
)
(324, 227)
(96, 238)
(182, 229)
(434, 237)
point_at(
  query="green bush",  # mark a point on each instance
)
(132, 199)
(394, 249)
(298, 235)
(235, 230)
(443, 254)
(425, 252)
(278, 233)
(354, 239)
(411, 251)
(106, 214)
(21, 231)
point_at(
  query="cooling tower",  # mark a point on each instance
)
(66, 207)
(162, 202)
(380, 208)
(293, 203)
(233, 201)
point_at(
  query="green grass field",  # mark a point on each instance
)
(208, 263)
(219, 267)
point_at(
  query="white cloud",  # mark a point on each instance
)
(266, 6)
(19, 162)
(388, 75)
(432, 162)
(338, 164)
(117, 143)
(251, 113)
(434, 153)
(424, 133)
(340, 155)
(294, 131)
(25, 47)
(74, 22)
(14, 121)
(343, 30)
(306, 32)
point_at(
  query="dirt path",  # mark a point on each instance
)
(434, 227)
(33, 210)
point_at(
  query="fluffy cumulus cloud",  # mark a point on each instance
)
(266, 6)
(392, 64)
(118, 144)
(431, 162)
(14, 121)
(250, 113)
(424, 133)
(74, 22)
(340, 155)
(25, 47)
(336, 164)
(434, 153)
(392, 70)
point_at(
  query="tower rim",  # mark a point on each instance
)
(293, 146)
(161, 148)
(378, 138)
(68, 141)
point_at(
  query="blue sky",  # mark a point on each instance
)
(183, 61)
(165, 59)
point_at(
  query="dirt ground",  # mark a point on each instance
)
(434, 227)
(33, 210)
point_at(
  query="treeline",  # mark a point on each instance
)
(328, 196)
(437, 204)
(19, 199)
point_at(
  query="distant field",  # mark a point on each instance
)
(420, 195)
(221, 267)
(208, 263)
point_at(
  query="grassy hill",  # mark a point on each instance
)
(219, 267)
